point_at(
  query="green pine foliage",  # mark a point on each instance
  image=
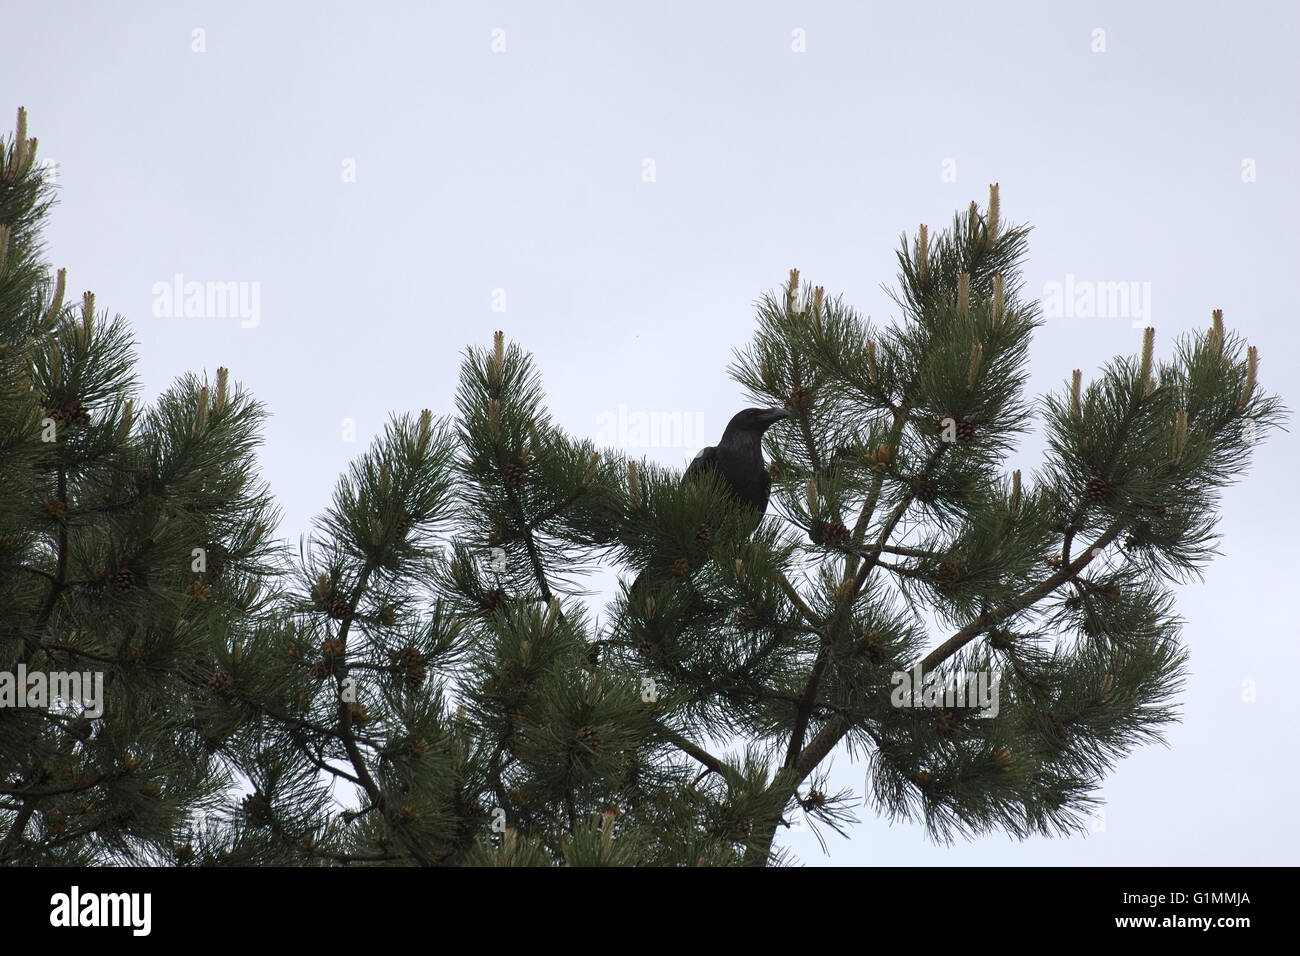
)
(426, 682)
(132, 546)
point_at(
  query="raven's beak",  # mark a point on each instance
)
(773, 415)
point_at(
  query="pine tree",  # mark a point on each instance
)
(132, 546)
(431, 661)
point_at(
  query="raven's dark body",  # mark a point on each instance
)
(738, 460)
(738, 457)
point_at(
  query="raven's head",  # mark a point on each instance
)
(752, 422)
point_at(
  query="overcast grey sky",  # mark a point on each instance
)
(627, 178)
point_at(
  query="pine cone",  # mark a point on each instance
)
(1097, 491)
(514, 472)
(410, 662)
(1002, 757)
(332, 647)
(72, 412)
(56, 508)
(357, 714)
(947, 573)
(681, 567)
(219, 680)
(125, 579)
(702, 537)
(801, 397)
(198, 590)
(745, 618)
(874, 651)
(337, 608)
(925, 489)
(492, 601)
(258, 809)
(964, 430)
(1058, 729)
(80, 728)
(832, 534)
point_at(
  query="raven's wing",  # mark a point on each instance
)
(707, 458)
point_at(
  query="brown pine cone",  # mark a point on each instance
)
(925, 489)
(357, 714)
(831, 533)
(514, 472)
(492, 601)
(964, 430)
(56, 508)
(947, 573)
(1097, 491)
(258, 809)
(411, 662)
(681, 567)
(801, 397)
(125, 579)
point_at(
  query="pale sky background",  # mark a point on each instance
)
(522, 171)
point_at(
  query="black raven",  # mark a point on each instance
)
(738, 456)
(738, 460)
